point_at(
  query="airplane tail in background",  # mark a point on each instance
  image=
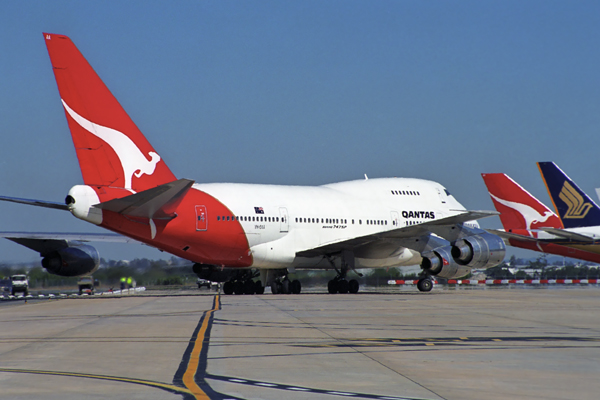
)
(574, 207)
(112, 151)
(519, 210)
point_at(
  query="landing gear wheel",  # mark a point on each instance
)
(258, 287)
(285, 286)
(332, 286)
(353, 286)
(228, 288)
(276, 287)
(238, 287)
(295, 286)
(343, 286)
(249, 287)
(425, 285)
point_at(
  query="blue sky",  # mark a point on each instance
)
(308, 93)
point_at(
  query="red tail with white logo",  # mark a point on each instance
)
(112, 151)
(519, 210)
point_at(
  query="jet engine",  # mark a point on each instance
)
(439, 262)
(72, 261)
(479, 251)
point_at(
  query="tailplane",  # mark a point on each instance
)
(112, 151)
(519, 210)
(573, 205)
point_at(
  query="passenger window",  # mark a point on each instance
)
(218, 218)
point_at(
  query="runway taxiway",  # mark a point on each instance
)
(448, 344)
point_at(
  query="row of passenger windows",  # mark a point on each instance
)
(250, 219)
(339, 221)
(323, 220)
(306, 220)
(405, 192)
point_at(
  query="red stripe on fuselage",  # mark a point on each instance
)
(222, 243)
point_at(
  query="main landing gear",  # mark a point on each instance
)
(243, 287)
(242, 283)
(339, 284)
(286, 286)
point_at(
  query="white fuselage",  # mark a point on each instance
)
(280, 221)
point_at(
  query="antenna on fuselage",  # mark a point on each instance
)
(366, 177)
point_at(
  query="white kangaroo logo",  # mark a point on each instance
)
(529, 213)
(133, 161)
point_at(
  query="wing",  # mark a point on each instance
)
(416, 237)
(46, 242)
(37, 203)
(572, 236)
(563, 236)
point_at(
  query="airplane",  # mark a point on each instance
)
(529, 224)
(234, 232)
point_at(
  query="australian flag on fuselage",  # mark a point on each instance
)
(259, 210)
(573, 206)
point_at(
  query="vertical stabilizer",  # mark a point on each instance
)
(575, 208)
(518, 208)
(112, 151)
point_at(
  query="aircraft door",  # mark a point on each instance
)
(395, 219)
(201, 218)
(284, 224)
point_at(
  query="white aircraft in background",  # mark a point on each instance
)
(235, 232)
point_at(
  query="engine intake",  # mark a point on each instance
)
(479, 251)
(439, 262)
(72, 261)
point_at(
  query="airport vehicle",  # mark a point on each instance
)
(237, 232)
(203, 282)
(19, 284)
(86, 284)
(529, 224)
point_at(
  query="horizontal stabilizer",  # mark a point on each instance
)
(156, 203)
(37, 203)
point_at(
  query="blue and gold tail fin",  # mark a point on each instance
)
(573, 206)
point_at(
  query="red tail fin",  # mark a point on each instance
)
(518, 208)
(111, 149)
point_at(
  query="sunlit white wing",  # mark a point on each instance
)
(400, 237)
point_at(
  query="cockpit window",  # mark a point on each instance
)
(447, 192)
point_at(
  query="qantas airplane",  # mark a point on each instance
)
(236, 232)
(529, 224)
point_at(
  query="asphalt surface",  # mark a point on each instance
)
(519, 343)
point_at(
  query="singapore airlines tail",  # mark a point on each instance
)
(519, 209)
(575, 208)
(112, 151)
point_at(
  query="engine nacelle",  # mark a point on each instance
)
(72, 261)
(482, 251)
(212, 273)
(439, 262)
